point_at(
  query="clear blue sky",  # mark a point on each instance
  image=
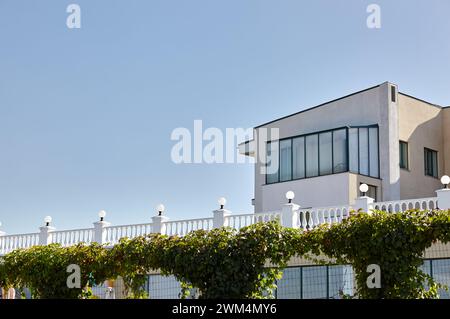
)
(86, 114)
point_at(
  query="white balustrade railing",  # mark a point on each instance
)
(11, 242)
(309, 218)
(73, 236)
(182, 227)
(244, 220)
(114, 233)
(398, 206)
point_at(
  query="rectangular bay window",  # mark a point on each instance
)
(325, 153)
(298, 157)
(285, 160)
(272, 167)
(353, 149)
(363, 150)
(340, 151)
(312, 155)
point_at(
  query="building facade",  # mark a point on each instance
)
(397, 144)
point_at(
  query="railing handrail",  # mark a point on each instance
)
(326, 207)
(15, 235)
(417, 200)
(247, 215)
(70, 230)
(189, 220)
(130, 225)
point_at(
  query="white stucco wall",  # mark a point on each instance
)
(311, 192)
(421, 125)
(389, 143)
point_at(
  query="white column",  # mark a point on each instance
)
(158, 224)
(100, 232)
(45, 236)
(443, 198)
(220, 218)
(289, 215)
(365, 203)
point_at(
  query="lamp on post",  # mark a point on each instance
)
(158, 221)
(290, 196)
(363, 189)
(445, 180)
(290, 212)
(443, 195)
(47, 220)
(222, 201)
(220, 216)
(100, 228)
(160, 208)
(102, 215)
(45, 235)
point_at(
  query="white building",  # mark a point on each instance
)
(397, 144)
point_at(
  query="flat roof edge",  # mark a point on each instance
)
(317, 106)
(416, 98)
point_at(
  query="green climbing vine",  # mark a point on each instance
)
(226, 263)
(393, 241)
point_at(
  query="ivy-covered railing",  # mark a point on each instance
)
(290, 215)
(226, 263)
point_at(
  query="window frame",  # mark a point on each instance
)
(407, 155)
(317, 133)
(429, 150)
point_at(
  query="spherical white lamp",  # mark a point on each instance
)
(102, 215)
(445, 180)
(290, 196)
(222, 201)
(47, 220)
(160, 208)
(363, 188)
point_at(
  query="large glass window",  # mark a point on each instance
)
(290, 285)
(431, 163)
(404, 155)
(340, 281)
(340, 151)
(285, 160)
(373, 152)
(353, 149)
(315, 282)
(298, 147)
(312, 155)
(363, 151)
(441, 274)
(272, 163)
(325, 153)
(329, 152)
